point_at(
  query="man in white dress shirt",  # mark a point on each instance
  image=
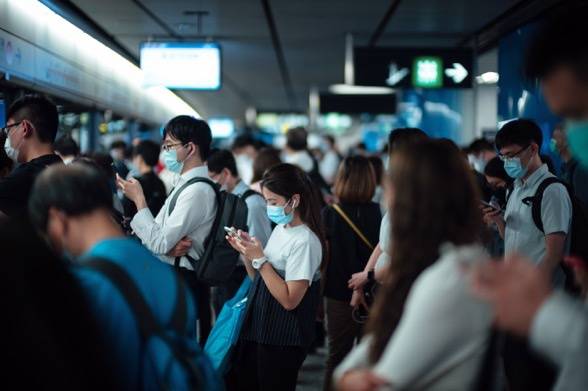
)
(222, 169)
(524, 302)
(173, 235)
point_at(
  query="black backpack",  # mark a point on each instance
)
(579, 227)
(219, 260)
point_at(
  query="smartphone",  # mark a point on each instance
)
(489, 205)
(232, 232)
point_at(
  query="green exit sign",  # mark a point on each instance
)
(427, 72)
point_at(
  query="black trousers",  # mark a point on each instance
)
(525, 369)
(201, 293)
(265, 367)
(226, 291)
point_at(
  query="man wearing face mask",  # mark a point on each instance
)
(222, 169)
(30, 132)
(519, 142)
(180, 230)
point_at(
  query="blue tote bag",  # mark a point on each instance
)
(225, 333)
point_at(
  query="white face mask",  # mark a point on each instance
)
(11, 152)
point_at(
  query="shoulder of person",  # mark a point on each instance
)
(556, 192)
(447, 273)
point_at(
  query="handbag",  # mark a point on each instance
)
(225, 333)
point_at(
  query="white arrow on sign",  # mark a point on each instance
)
(458, 73)
(395, 75)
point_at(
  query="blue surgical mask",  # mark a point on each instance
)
(278, 215)
(514, 168)
(578, 140)
(170, 159)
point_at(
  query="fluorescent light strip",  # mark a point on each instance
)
(104, 58)
(348, 89)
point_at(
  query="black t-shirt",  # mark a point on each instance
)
(348, 254)
(15, 188)
(154, 191)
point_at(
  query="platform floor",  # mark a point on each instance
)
(311, 375)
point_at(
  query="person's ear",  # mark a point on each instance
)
(56, 226)
(226, 172)
(295, 201)
(27, 128)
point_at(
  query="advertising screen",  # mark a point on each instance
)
(181, 65)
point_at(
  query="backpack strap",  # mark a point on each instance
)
(537, 199)
(249, 193)
(190, 182)
(146, 322)
(174, 200)
(360, 234)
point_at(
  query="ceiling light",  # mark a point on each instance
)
(349, 89)
(488, 78)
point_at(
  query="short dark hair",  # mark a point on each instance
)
(480, 145)
(402, 137)
(245, 140)
(75, 190)
(149, 151)
(118, 144)
(520, 132)
(220, 159)
(561, 40)
(188, 129)
(66, 146)
(296, 139)
(330, 139)
(99, 160)
(495, 168)
(39, 111)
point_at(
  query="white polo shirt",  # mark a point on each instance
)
(521, 235)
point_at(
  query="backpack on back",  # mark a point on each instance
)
(170, 360)
(578, 228)
(219, 260)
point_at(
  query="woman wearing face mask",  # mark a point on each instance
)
(285, 293)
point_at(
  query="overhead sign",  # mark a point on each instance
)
(413, 68)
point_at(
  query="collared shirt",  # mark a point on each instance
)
(560, 332)
(192, 216)
(257, 220)
(521, 234)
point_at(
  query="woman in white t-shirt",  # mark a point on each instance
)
(285, 293)
(426, 331)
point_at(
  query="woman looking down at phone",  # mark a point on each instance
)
(285, 292)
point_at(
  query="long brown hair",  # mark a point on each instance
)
(287, 180)
(435, 201)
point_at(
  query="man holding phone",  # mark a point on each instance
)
(182, 229)
(519, 142)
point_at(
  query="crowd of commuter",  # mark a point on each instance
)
(429, 267)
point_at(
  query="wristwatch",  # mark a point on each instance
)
(258, 263)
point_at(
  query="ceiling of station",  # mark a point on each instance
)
(312, 34)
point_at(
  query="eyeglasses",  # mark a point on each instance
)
(5, 129)
(514, 155)
(168, 147)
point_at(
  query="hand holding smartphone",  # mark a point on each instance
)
(489, 205)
